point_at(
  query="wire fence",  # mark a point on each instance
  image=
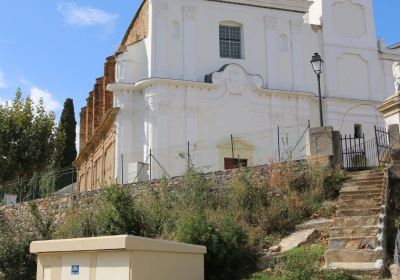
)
(39, 185)
(261, 147)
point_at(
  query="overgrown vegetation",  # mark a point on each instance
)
(302, 263)
(235, 223)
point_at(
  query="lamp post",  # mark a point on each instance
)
(316, 62)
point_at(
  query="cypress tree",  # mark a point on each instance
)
(65, 152)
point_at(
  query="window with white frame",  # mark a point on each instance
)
(230, 40)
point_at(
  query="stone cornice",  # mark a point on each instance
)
(152, 82)
(93, 142)
(299, 6)
(390, 106)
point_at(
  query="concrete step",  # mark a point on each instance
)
(355, 268)
(356, 221)
(358, 212)
(352, 256)
(353, 231)
(353, 243)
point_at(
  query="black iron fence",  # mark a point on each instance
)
(383, 148)
(358, 154)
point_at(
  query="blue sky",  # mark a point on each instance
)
(56, 49)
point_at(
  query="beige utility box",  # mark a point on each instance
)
(121, 257)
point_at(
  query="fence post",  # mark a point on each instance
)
(279, 145)
(122, 169)
(233, 151)
(150, 158)
(188, 155)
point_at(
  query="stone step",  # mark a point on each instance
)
(353, 231)
(356, 268)
(352, 256)
(353, 192)
(355, 221)
(377, 199)
(359, 203)
(358, 212)
(363, 195)
(353, 243)
(366, 176)
(364, 182)
(366, 172)
(366, 189)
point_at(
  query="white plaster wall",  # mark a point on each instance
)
(185, 42)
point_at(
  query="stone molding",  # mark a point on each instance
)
(159, 82)
(296, 25)
(270, 22)
(390, 106)
(300, 6)
(189, 13)
(160, 9)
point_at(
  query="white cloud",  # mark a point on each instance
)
(49, 102)
(4, 101)
(3, 83)
(86, 16)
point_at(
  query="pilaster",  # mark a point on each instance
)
(297, 55)
(272, 52)
(189, 43)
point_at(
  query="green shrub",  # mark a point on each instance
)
(337, 275)
(78, 222)
(226, 244)
(247, 200)
(119, 214)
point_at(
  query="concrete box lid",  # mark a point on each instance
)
(118, 242)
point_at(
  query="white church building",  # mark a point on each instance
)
(209, 82)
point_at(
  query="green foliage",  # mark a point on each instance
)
(65, 152)
(225, 242)
(26, 138)
(233, 223)
(65, 148)
(119, 214)
(16, 262)
(337, 275)
(78, 222)
(42, 223)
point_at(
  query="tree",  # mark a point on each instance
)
(26, 138)
(65, 152)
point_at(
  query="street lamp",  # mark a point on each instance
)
(316, 62)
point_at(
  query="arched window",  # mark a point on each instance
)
(230, 39)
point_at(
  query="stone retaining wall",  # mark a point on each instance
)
(58, 205)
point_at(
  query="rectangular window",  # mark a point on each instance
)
(358, 131)
(230, 41)
(230, 163)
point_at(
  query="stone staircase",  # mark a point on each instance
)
(356, 242)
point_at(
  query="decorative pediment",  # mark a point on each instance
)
(238, 144)
(235, 79)
(287, 5)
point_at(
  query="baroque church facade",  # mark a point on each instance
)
(193, 79)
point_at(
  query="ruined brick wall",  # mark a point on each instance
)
(100, 100)
(59, 204)
(82, 128)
